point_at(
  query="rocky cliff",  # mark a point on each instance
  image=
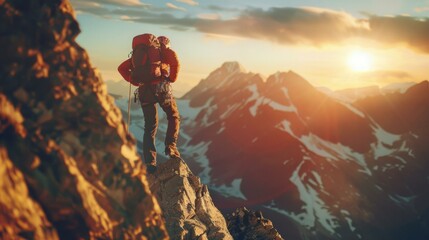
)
(68, 167)
(189, 212)
(186, 204)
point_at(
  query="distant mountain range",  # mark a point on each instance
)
(350, 164)
(353, 94)
(119, 88)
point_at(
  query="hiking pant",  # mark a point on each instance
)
(150, 113)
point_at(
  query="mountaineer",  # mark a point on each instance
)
(152, 67)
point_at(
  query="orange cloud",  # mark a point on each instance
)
(189, 2)
(312, 26)
(111, 2)
(414, 32)
(303, 26)
(172, 6)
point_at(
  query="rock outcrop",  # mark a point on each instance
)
(68, 167)
(247, 224)
(186, 204)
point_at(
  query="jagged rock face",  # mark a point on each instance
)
(68, 167)
(247, 224)
(186, 204)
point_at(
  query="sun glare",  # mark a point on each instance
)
(360, 61)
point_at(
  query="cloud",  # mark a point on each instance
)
(318, 27)
(413, 32)
(172, 6)
(125, 17)
(84, 4)
(302, 26)
(311, 26)
(91, 8)
(421, 9)
(125, 3)
(222, 9)
(282, 25)
(189, 2)
(209, 16)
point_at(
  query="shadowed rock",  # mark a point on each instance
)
(247, 224)
(68, 168)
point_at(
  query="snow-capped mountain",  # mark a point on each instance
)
(321, 167)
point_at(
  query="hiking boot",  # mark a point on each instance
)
(151, 168)
(172, 151)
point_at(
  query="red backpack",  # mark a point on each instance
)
(145, 59)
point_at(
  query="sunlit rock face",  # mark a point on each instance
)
(186, 204)
(68, 167)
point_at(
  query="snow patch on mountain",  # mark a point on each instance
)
(285, 126)
(233, 189)
(319, 146)
(261, 100)
(230, 109)
(280, 107)
(199, 155)
(392, 145)
(190, 113)
(315, 212)
(221, 129)
(403, 201)
(230, 190)
(274, 105)
(352, 108)
(326, 149)
(315, 208)
(255, 97)
(385, 140)
(346, 215)
(318, 178)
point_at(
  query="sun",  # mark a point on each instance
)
(360, 61)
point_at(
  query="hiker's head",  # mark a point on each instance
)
(164, 41)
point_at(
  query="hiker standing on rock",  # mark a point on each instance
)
(152, 67)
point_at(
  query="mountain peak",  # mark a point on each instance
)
(419, 89)
(286, 78)
(233, 66)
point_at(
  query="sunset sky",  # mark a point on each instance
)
(332, 43)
